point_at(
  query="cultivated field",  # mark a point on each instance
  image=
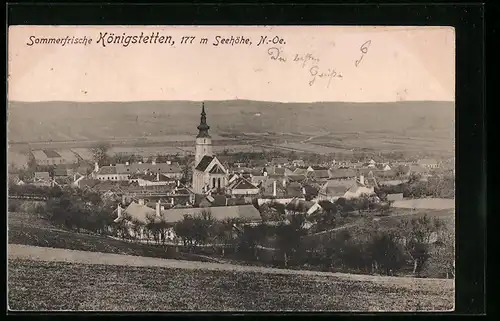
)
(37, 285)
(421, 125)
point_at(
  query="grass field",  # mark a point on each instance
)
(28, 229)
(35, 285)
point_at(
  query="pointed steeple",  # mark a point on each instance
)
(203, 127)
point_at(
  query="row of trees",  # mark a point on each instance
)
(435, 186)
(422, 246)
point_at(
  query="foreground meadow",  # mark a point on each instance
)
(37, 285)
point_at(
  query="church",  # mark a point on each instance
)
(209, 175)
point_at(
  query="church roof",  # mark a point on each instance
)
(203, 127)
(203, 164)
(216, 170)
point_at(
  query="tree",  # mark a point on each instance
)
(153, 228)
(288, 236)
(386, 253)
(185, 230)
(415, 235)
(99, 153)
(202, 227)
(223, 232)
(442, 259)
(137, 228)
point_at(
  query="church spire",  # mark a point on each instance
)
(203, 127)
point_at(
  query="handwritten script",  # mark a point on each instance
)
(364, 50)
(318, 71)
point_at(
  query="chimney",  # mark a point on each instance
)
(158, 209)
(274, 188)
(127, 163)
(303, 191)
(96, 167)
(362, 179)
(157, 177)
(119, 211)
(178, 183)
(172, 201)
(284, 182)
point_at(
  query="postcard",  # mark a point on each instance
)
(231, 168)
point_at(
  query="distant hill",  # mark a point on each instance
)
(56, 121)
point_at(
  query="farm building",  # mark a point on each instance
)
(53, 157)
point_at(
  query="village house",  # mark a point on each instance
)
(42, 179)
(298, 163)
(277, 171)
(123, 172)
(143, 215)
(63, 171)
(318, 172)
(428, 163)
(152, 179)
(242, 186)
(279, 161)
(300, 171)
(342, 174)
(335, 189)
(272, 188)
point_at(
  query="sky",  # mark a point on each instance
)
(399, 63)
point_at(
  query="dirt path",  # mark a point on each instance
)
(16, 251)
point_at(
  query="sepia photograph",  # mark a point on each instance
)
(231, 168)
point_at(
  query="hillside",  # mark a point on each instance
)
(63, 121)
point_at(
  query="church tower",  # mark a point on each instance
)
(203, 140)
